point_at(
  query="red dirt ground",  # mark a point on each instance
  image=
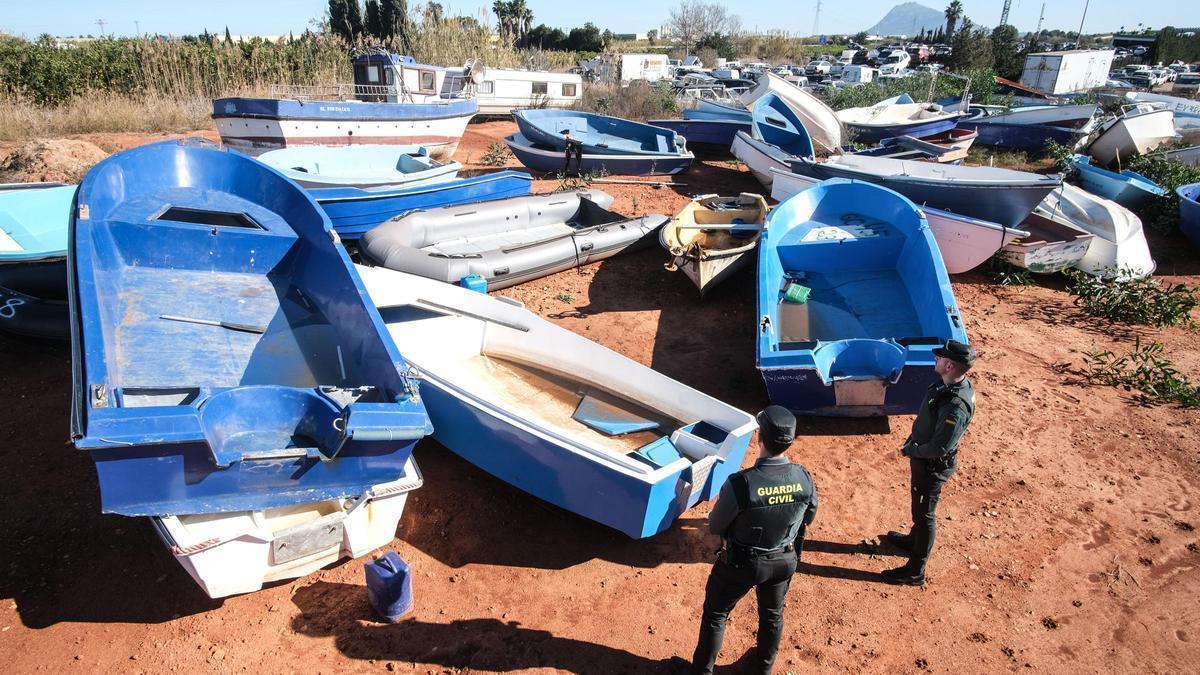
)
(1067, 539)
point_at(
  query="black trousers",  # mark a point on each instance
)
(770, 577)
(929, 476)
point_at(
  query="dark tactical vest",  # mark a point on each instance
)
(772, 501)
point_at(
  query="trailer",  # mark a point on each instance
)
(500, 90)
(1067, 72)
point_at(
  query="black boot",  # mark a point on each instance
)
(678, 666)
(904, 575)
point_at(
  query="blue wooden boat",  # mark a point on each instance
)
(997, 195)
(852, 299)
(1030, 138)
(354, 211)
(778, 137)
(361, 166)
(716, 110)
(1189, 211)
(555, 414)
(717, 133)
(34, 220)
(227, 357)
(598, 134)
(1127, 188)
(550, 160)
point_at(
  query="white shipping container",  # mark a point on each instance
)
(1067, 72)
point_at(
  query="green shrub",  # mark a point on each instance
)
(1145, 301)
(1162, 212)
(1145, 370)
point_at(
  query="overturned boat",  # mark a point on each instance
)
(227, 357)
(988, 193)
(852, 299)
(1119, 248)
(360, 166)
(713, 237)
(555, 414)
(507, 241)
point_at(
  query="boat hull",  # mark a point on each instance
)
(1025, 137)
(354, 211)
(1132, 135)
(964, 242)
(1189, 211)
(716, 133)
(546, 160)
(1127, 188)
(1051, 247)
(596, 134)
(227, 356)
(871, 133)
(239, 552)
(879, 301)
(255, 125)
(760, 157)
(820, 122)
(33, 299)
(1005, 204)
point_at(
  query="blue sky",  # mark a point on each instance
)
(277, 17)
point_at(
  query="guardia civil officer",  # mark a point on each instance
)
(932, 451)
(761, 515)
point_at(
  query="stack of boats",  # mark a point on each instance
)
(245, 386)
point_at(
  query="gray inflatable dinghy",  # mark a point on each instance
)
(507, 241)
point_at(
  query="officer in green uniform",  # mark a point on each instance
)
(761, 514)
(932, 451)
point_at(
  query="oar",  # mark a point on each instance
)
(243, 327)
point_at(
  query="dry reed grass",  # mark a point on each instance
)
(103, 112)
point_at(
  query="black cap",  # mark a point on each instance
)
(958, 352)
(777, 427)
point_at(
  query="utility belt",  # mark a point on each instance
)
(940, 464)
(737, 555)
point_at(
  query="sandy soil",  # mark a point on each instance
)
(1068, 537)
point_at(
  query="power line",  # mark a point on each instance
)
(101, 22)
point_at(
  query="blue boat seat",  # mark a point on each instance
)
(658, 453)
(609, 419)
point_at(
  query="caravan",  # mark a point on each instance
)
(500, 90)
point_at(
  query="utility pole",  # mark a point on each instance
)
(101, 22)
(817, 20)
(1079, 33)
(1040, 17)
(137, 26)
(1004, 12)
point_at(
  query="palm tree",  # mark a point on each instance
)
(954, 12)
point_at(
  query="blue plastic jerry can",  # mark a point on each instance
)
(474, 282)
(389, 586)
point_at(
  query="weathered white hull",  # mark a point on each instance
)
(965, 242)
(232, 553)
(256, 135)
(1132, 135)
(1045, 258)
(1119, 248)
(709, 256)
(759, 163)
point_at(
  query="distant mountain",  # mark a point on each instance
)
(908, 19)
